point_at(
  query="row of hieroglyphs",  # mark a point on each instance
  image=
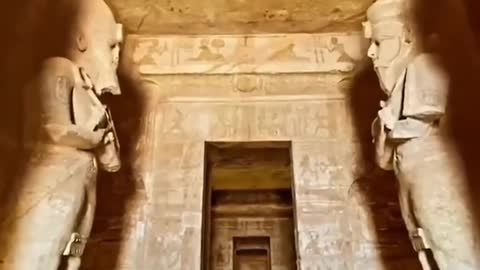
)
(228, 54)
(252, 121)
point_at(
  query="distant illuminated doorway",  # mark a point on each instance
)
(248, 217)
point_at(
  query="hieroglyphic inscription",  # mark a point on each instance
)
(266, 53)
(312, 120)
(320, 192)
(176, 241)
(174, 194)
(319, 164)
(313, 244)
(306, 120)
(177, 174)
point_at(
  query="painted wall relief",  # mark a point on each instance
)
(228, 54)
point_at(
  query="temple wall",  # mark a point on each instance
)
(294, 97)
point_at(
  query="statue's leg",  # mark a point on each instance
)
(84, 228)
(40, 235)
(48, 207)
(447, 219)
(449, 262)
(439, 202)
(413, 228)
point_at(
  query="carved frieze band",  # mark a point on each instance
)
(230, 54)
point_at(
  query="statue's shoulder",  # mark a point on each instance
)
(55, 67)
(426, 63)
(427, 70)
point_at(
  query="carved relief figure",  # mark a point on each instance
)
(222, 256)
(318, 171)
(169, 246)
(410, 140)
(72, 132)
(206, 53)
(147, 52)
(333, 52)
(316, 122)
(287, 53)
(227, 122)
(174, 122)
(313, 245)
(271, 121)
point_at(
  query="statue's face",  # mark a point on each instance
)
(106, 50)
(388, 51)
(102, 37)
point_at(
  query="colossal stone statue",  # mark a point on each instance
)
(409, 138)
(68, 133)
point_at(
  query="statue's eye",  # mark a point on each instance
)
(376, 42)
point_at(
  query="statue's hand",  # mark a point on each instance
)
(108, 138)
(98, 136)
(386, 116)
(383, 149)
(97, 119)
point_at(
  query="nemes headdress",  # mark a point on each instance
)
(393, 12)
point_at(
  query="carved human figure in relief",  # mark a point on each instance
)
(68, 133)
(409, 139)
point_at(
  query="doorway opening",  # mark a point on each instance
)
(251, 253)
(248, 211)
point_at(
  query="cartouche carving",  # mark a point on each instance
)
(409, 139)
(69, 133)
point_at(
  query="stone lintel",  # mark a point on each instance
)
(246, 54)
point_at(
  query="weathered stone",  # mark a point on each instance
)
(224, 87)
(68, 134)
(200, 17)
(410, 138)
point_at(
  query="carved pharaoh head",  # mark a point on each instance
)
(96, 46)
(391, 45)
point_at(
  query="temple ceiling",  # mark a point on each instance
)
(239, 16)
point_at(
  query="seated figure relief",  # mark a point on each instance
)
(69, 134)
(409, 138)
